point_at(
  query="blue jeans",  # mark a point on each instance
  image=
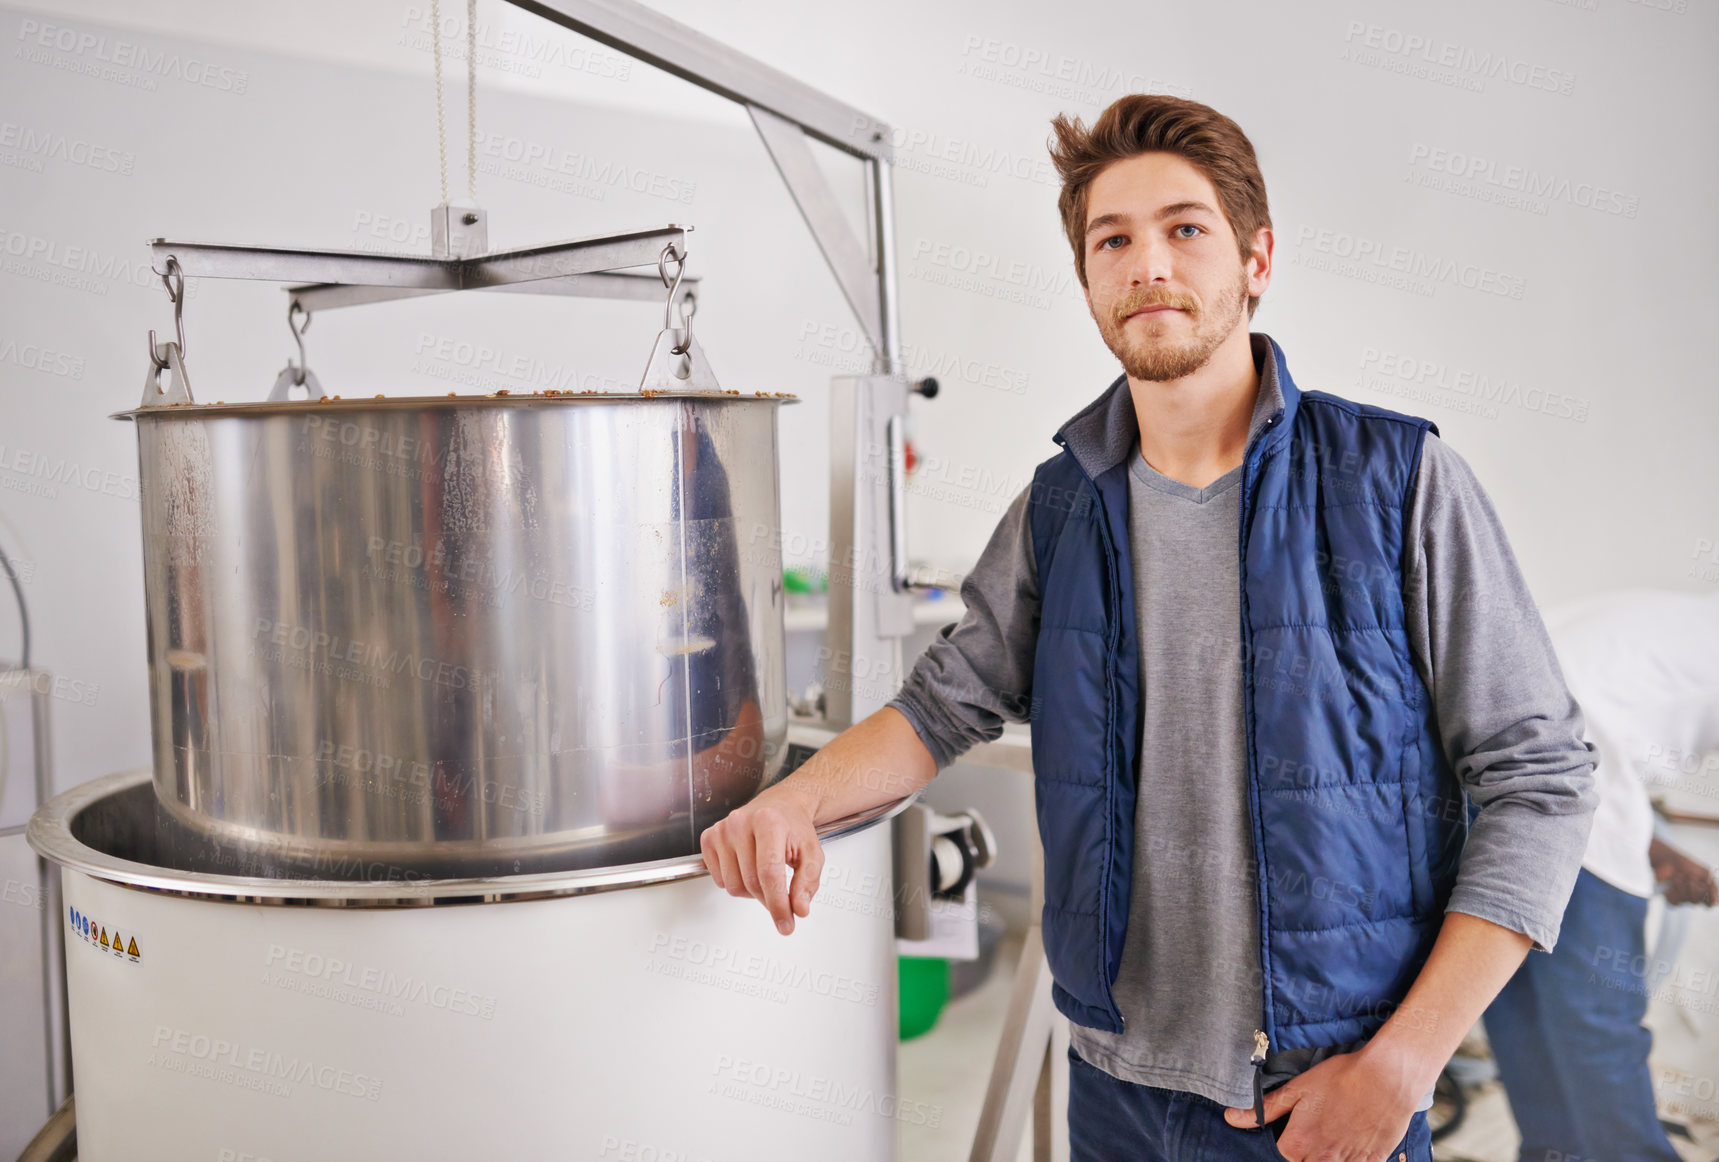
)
(1567, 1034)
(1111, 1120)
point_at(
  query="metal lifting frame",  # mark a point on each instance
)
(785, 112)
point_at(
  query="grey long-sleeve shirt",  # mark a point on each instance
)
(1508, 724)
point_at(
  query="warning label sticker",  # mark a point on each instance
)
(117, 944)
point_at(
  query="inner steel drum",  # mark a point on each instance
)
(481, 634)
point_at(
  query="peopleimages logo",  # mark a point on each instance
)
(23, 470)
(66, 689)
(1053, 74)
(35, 357)
(514, 50)
(812, 1096)
(110, 58)
(369, 663)
(1384, 369)
(77, 267)
(1399, 267)
(1446, 62)
(993, 276)
(536, 162)
(253, 1067)
(1485, 178)
(23, 143)
(848, 350)
(965, 160)
(314, 968)
(734, 969)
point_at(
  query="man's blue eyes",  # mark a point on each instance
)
(1106, 244)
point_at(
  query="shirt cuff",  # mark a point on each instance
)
(1472, 902)
(916, 718)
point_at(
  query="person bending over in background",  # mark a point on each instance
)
(1567, 1030)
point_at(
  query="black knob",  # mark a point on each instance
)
(927, 387)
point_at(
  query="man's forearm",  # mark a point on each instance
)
(1471, 960)
(876, 761)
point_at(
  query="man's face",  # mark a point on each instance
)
(1165, 282)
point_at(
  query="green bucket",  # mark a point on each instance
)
(924, 991)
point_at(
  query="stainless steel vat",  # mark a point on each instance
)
(481, 634)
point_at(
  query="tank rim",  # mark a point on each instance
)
(50, 834)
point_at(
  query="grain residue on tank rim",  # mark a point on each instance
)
(501, 393)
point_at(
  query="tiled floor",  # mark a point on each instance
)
(949, 1067)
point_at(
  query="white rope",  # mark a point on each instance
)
(441, 123)
(471, 101)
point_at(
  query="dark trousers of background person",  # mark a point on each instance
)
(1111, 1120)
(1566, 1032)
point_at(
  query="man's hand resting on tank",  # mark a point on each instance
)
(876, 761)
(750, 851)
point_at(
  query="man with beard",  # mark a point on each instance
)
(1267, 639)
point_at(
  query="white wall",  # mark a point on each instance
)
(334, 133)
(331, 143)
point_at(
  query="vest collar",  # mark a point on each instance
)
(1101, 435)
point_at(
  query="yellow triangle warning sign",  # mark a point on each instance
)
(131, 948)
(104, 938)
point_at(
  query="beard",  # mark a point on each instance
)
(1148, 353)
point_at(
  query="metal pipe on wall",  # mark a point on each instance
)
(881, 173)
(57, 1026)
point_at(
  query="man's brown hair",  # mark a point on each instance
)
(1150, 122)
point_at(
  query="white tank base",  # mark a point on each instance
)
(666, 1023)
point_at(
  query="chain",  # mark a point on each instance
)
(441, 122)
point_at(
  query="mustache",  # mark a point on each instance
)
(1144, 297)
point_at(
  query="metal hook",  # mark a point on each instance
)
(294, 310)
(678, 256)
(296, 374)
(173, 278)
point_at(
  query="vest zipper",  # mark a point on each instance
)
(1261, 1042)
(1260, 1045)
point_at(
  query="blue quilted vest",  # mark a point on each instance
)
(1356, 816)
